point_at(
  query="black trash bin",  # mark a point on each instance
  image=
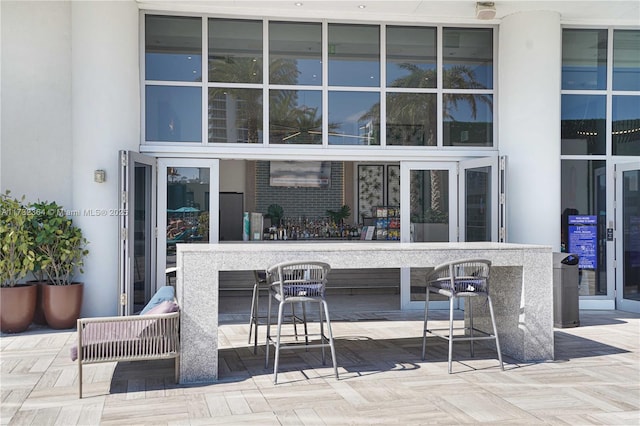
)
(566, 312)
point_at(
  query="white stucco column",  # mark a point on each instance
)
(105, 118)
(529, 112)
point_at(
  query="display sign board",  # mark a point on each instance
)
(583, 240)
(295, 174)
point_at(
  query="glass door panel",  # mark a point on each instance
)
(428, 213)
(628, 237)
(187, 207)
(478, 207)
(137, 224)
(429, 208)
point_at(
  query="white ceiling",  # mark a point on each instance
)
(602, 12)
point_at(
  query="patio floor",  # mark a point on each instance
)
(595, 379)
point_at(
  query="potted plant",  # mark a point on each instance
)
(42, 226)
(61, 249)
(18, 301)
(338, 216)
(275, 212)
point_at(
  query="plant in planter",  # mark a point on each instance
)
(42, 226)
(61, 249)
(17, 259)
(275, 212)
(338, 216)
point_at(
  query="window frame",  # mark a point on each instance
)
(377, 151)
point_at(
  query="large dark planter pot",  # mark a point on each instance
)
(62, 304)
(38, 317)
(17, 306)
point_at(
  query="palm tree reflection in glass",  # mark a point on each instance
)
(412, 119)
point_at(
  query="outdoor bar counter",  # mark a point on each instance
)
(521, 286)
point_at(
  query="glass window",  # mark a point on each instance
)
(173, 114)
(235, 115)
(626, 60)
(188, 208)
(584, 59)
(583, 126)
(295, 53)
(235, 51)
(354, 118)
(429, 205)
(467, 58)
(478, 204)
(467, 120)
(626, 125)
(295, 117)
(583, 228)
(411, 57)
(354, 55)
(173, 48)
(412, 119)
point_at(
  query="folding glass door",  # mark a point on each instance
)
(628, 237)
(446, 202)
(137, 231)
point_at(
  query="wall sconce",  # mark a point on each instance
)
(485, 10)
(99, 176)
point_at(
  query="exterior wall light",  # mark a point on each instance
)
(485, 10)
(99, 176)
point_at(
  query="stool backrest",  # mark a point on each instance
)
(462, 276)
(299, 279)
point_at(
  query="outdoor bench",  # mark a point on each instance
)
(152, 335)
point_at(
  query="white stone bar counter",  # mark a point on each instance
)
(521, 286)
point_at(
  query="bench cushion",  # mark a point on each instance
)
(165, 307)
(165, 293)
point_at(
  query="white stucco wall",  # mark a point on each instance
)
(106, 118)
(529, 71)
(36, 145)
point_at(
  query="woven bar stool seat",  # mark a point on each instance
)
(468, 279)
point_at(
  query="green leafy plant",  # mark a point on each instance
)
(338, 216)
(275, 212)
(17, 258)
(41, 229)
(59, 245)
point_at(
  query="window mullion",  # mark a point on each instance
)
(383, 85)
(325, 84)
(609, 97)
(266, 125)
(439, 84)
(205, 80)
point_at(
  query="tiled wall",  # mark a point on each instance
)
(297, 202)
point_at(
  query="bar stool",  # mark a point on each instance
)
(260, 281)
(299, 282)
(467, 278)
